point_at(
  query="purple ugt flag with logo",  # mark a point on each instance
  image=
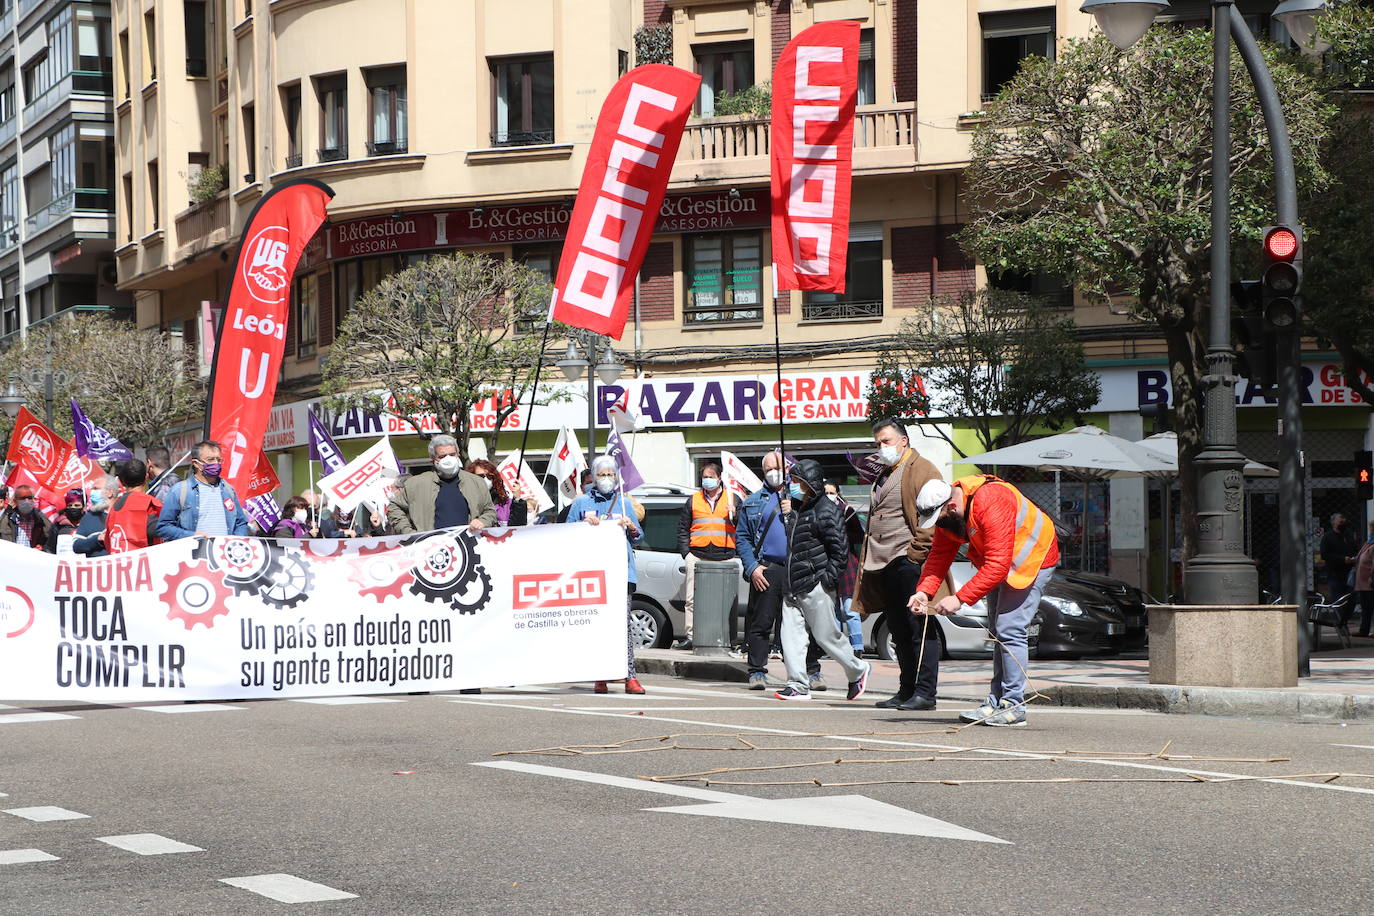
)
(322, 447)
(94, 442)
(629, 474)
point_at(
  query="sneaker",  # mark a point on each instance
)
(775, 654)
(600, 687)
(632, 685)
(856, 688)
(1013, 715)
(979, 714)
(791, 693)
(758, 681)
(817, 682)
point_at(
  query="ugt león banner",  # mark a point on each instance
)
(252, 336)
(235, 617)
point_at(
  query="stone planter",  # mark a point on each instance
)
(1208, 646)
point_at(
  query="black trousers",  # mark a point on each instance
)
(899, 579)
(1366, 612)
(761, 618)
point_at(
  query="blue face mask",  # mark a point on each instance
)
(97, 499)
(710, 483)
(794, 490)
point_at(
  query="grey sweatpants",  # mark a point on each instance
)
(816, 612)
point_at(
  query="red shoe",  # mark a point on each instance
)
(599, 687)
(632, 685)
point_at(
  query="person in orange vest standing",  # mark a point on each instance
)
(132, 521)
(706, 531)
(1013, 546)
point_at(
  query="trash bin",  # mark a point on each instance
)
(716, 592)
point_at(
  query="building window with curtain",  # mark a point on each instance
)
(332, 92)
(307, 315)
(724, 278)
(863, 284)
(868, 90)
(387, 116)
(291, 116)
(193, 19)
(1009, 38)
(725, 70)
(522, 100)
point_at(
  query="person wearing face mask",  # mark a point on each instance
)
(705, 531)
(131, 523)
(204, 504)
(894, 550)
(446, 497)
(605, 503)
(22, 523)
(819, 549)
(62, 534)
(761, 541)
(510, 511)
(1013, 546)
(90, 532)
(294, 521)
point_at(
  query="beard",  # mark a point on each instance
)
(954, 524)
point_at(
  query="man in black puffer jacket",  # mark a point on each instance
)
(819, 550)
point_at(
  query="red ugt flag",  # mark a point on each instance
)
(814, 91)
(44, 455)
(252, 336)
(623, 183)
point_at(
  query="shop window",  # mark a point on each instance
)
(307, 315)
(332, 93)
(1008, 39)
(193, 17)
(863, 287)
(725, 70)
(724, 278)
(387, 116)
(291, 115)
(522, 100)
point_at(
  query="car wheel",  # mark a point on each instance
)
(649, 626)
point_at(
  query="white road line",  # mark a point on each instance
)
(46, 813)
(287, 888)
(662, 788)
(20, 856)
(781, 707)
(347, 701)
(17, 718)
(1362, 747)
(148, 844)
(192, 707)
(1331, 787)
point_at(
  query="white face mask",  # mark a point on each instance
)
(487, 481)
(773, 478)
(890, 454)
(301, 515)
(605, 484)
(448, 466)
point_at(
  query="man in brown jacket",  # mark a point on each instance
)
(894, 551)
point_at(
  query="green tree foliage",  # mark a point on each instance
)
(1005, 361)
(436, 338)
(1096, 167)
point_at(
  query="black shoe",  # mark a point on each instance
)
(683, 644)
(892, 702)
(917, 702)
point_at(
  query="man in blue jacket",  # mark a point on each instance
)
(761, 539)
(203, 505)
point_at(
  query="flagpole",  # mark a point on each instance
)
(314, 509)
(534, 394)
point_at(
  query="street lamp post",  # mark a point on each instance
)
(1221, 572)
(607, 370)
(47, 379)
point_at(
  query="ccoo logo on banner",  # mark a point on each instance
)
(234, 617)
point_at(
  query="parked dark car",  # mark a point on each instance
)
(1127, 597)
(1076, 620)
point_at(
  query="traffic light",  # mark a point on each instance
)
(1282, 258)
(1256, 342)
(1364, 475)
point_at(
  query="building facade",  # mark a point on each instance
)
(449, 125)
(57, 164)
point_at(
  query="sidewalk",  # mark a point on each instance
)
(1341, 685)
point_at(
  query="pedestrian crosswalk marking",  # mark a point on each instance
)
(346, 701)
(46, 813)
(194, 707)
(17, 718)
(287, 888)
(21, 856)
(148, 844)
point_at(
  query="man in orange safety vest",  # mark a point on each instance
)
(705, 531)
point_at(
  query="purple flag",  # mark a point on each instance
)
(322, 447)
(263, 511)
(629, 474)
(94, 442)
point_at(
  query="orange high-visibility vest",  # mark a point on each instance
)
(1034, 537)
(712, 526)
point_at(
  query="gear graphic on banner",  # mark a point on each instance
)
(446, 566)
(290, 582)
(246, 564)
(195, 594)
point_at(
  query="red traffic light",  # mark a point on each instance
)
(1281, 243)
(1364, 475)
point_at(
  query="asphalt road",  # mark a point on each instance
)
(385, 801)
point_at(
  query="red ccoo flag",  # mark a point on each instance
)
(252, 335)
(623, 183)
(814, 90)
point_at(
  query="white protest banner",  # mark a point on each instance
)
(236, 618)
(566, 464)
(737, 476)
(523, 481)
(361, 479)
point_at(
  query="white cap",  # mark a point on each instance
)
(932, 498)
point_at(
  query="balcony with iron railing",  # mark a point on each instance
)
(841, 311)
(202, 226)
(85, 82)
(521, 138)
(386, 147)
(293, 161)
(76, 202)
(332, 153)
